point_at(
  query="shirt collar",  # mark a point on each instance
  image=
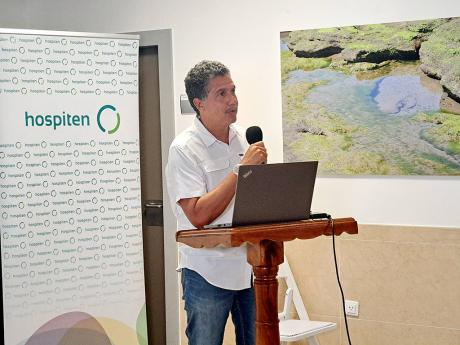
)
(209, 139)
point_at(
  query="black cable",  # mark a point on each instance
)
(338, 278)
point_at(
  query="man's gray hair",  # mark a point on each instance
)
(197, 79)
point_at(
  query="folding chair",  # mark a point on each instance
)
(292, 329)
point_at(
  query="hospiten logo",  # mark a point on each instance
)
(104, 110)
(107, 114)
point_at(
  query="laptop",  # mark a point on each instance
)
(271, 193)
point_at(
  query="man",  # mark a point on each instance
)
(201, 175)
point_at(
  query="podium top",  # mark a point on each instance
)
(254, 234)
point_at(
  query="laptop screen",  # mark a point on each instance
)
(270, 193)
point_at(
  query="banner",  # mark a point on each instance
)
(70, 211)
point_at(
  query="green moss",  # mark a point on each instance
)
(438, 164)
(436, 118)
(289, 63)
(448, 125)
(370, 71)
(375, 28)
(406, 35)
(347, 143)
(425, 26)
(365, 46)
(445, 132)
(385, 33)
(337, 155)
(350, 29)
(454, 147)
(406, 167)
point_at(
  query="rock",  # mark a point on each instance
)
(379, 54)
(303, 44)
(364, 66)
(440, 57)
(451, 84)
(368, 43)
(338, 64)
(305, 126)
(311, 130)
(317, 43)
(448, 105)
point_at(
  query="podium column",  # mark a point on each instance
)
(265, 257)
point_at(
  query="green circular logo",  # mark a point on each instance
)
(99, 114)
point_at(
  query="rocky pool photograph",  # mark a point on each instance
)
(380, 99)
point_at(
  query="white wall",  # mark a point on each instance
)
(245, 36)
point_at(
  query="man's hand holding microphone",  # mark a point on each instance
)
(256, 153)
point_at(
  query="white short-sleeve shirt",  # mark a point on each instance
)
(197, 163)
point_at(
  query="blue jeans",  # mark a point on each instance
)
(208, 307)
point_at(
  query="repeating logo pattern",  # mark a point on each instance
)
(52, 65)
(71, 224)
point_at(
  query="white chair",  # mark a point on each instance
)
(291, 329)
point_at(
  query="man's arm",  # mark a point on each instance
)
(203, 210)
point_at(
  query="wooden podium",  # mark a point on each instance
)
(265, 253)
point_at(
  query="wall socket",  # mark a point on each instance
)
(352, 307)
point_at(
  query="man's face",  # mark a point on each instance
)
(221, 105)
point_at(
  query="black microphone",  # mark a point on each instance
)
(254, 134)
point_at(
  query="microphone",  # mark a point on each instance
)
(254, 134)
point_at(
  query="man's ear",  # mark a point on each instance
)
(198, 103)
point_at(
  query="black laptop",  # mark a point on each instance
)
(271, 193)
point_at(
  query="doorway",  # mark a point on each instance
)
(156, 132)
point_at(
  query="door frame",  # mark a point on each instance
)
(163, 40)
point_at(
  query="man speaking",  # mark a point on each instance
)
(201, 175)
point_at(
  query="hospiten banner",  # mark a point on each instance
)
(70, 212)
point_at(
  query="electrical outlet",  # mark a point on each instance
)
(351, 307)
